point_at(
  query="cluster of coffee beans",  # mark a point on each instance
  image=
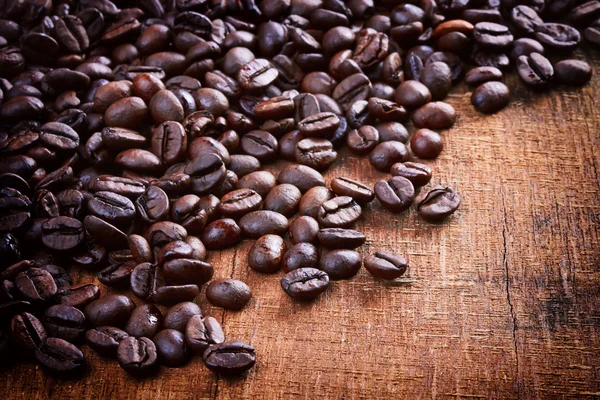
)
(133, 134)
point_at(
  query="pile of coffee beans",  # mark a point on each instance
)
(133, 135)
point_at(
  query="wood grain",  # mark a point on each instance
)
(502, 301)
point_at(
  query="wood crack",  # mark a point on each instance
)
(508, 297)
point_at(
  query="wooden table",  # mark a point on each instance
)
(500, 301)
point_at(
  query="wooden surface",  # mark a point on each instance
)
(501, 301)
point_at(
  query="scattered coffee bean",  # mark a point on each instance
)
(385, 265)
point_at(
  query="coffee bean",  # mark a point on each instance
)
(256, 74)
(110, 310)
(171, 348)
(112, 207)
(78, 296)
(437, 203)
(303, 229)
(312, 200)
(230, 294)
(200, 332)
(178, 315)
(65, 322)
(362, 140)
(524, 47)
(259, 181)
(187, 270)
(137, 356)
(348, 187)
(339, 212)
(535, 70)
(426, 143)
(435, 115)
(572, 72)
(243, 164)
(59, 136)
(338, 238)
(340, 264)
(221, 233)
(395, 194)
(104, 233)
(27, 331)
(525, 19)
(263, 222)
(229, 358)
(128, 112)
(385, 265)
(556, 36)
(490, 97)
(301, 176)
(386, 154)
(316, 153)
(36, 285)
(117, 275)
(59, 355)
(418, 174)
(266, 253)
(319, 124)
(239, 202)
(116, 184)
(492, 35)
(480, 75)
(169, 142)
(284, 199)
(354, 88)
(145, 321)
(105, 339)
(305, 283)
(260, 144)
(206, 172)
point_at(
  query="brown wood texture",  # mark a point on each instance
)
(502, 301)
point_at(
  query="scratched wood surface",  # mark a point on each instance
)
(502, 301)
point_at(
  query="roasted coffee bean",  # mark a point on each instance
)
(229, 358)
(153, 205)
(316, 153)
(266, 253)
(27, 331)
(426, 143)
(128, 112)
(138, 160)
(535, 70)
(480, 75)
(386, 154)
(110, 310)
(490, 97)
(178, 315)
(558, 37)
(339, 212)
(59, 355)
(320, 124)
(301, 176)
(243, 164)
(395, 194)
(117, 275)
(490, 59)
(384, 110)
(65, 322)
(256, 74)
(239, 202)
(206, 172)
(338, 238)
(145, 279)
(187, 270)
(171, 348)
(572, 72)
(348, 187)
(305, 283)
(262, 222)
(385, 265)
(362, 140)
(435, 115)
(284, 199)
(524, 47)
(78, 296)
(437, 203)
(174, 250)
(137, 356)
(340, 264)
(169, 142)
(59, 136)
(260, 144)
(418, 174)
(116, 184)
(492, 35)
(145, 321)
(200, 332)
(303, 229)
(221, 233)
(105, 339)
(173, 294)
(591, 33)
(104, 233)
(525, 19)
(437, 77)
(259, 181)
(112, 207)
(311, 201)
(62, 233)
(352, 89)
(230, 294)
